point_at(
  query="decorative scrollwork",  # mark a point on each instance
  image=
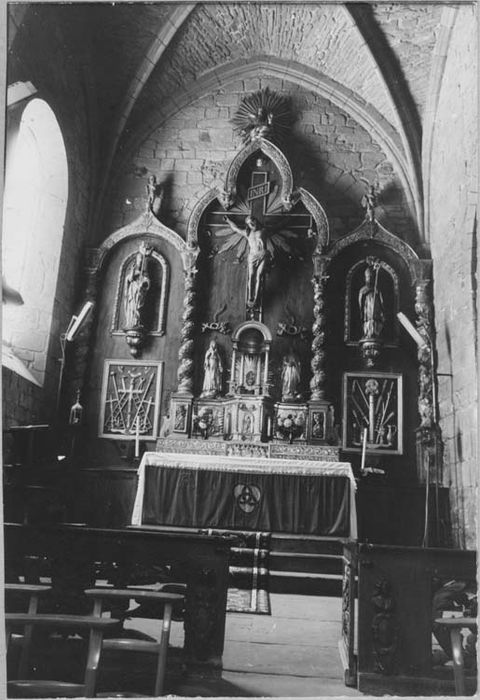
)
(216, 325)
(384, 628)
(291, 329)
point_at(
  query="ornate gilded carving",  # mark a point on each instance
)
(372, 401)
(280, 450)
(319, 216)
(382, 235)
(216, 325)
(275, 155)
(196, 215)
(299, 451)
(423, 321)
(291, 329)
(263, 115)
(346, 602)
(319, 281)
(130, 400)
(290, 422)
(384, 628)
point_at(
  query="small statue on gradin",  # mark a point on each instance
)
(137, 285)
(212, 381)
(290, 377)
(370, 303)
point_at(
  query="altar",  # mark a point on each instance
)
(275, 495)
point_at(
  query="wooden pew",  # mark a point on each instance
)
(199, 560)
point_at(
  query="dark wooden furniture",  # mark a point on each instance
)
(158, 648)
(397, 608)
(199, 560)
(454, 625)
(66, 624)
(394, 514)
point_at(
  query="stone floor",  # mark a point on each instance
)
(292, 653)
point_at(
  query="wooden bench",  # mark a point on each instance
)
(201, 561)
(36, 688)
(454, 625)
(158, 648)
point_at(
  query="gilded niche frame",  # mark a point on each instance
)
(130, 400)
(373, 401)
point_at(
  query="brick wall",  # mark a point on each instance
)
(454, 195)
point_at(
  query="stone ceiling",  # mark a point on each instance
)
(148, 61)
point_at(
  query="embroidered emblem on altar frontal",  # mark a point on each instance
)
(247, 497)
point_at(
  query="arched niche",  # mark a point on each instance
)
(385, 284)
(154, 313)
(249, 373)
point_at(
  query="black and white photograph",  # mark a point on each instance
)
(240, 357)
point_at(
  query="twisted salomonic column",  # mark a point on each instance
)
(185, 353)
(320, 277)
(423, 321)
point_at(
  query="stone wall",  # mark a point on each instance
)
(454, 195)
(60, 77)
(329, 152)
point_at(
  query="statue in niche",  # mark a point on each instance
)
(261, 245)
(137, 285)
(290, 377)
(370, 303)
(212, 365)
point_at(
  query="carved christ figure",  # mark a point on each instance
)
(137, 286)
(261, 246)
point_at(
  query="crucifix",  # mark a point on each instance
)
(258, 238)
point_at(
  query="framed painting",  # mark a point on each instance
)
(373, 401)
(130, 399)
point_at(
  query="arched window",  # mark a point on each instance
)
(35, 200)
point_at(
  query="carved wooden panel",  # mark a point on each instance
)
(130, 400)
(373, 401)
